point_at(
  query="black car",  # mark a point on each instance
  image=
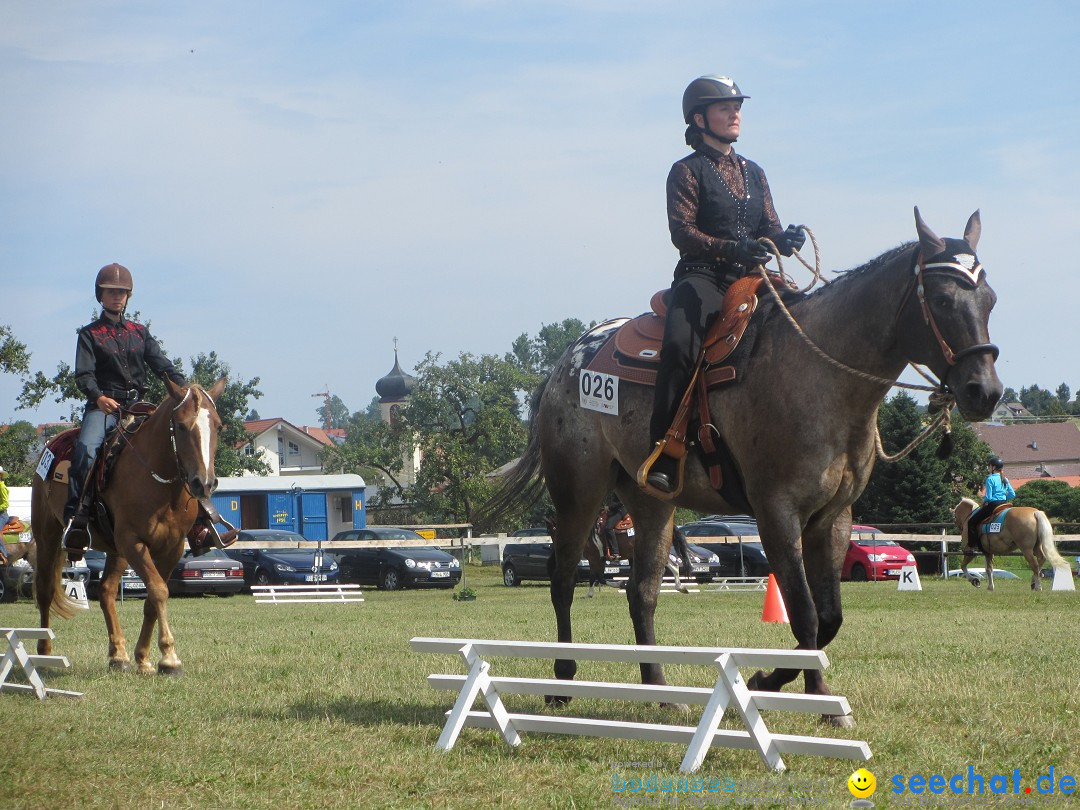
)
(720, 526)
(92, 566)
(531, 531)
(378, 533)
(213, 571)
(282, 566)
(754, 562)
(404, 567)
(521, 561)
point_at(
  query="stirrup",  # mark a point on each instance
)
(76, 537)
(645, 470)
(204, 537)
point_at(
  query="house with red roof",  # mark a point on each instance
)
(1050, 450)
(287, 448)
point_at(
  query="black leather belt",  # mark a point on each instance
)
(128, 396)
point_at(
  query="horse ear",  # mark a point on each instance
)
(973, 230)
(930, 242)
(217, 388)
(175, 391)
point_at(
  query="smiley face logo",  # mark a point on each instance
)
(862, 784)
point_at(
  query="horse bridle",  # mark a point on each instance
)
(973, 274)
(181, 472)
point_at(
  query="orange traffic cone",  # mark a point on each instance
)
(774, 604)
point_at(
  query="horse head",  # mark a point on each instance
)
(945, 325)
(196, 425)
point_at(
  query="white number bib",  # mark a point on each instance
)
(599, 392)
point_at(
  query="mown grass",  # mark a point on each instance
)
(325, 706)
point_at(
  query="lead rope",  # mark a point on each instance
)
(941, 399)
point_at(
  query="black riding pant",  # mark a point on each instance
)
(694, 302)
(977, 517)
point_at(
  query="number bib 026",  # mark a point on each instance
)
(599, 392)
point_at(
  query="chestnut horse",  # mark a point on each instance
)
(800, 427)
(152, 495)
(1024, 528)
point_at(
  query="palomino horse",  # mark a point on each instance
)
(1024, 528)
(153, 495)
(800, 428)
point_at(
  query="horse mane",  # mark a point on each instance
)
(866, 269)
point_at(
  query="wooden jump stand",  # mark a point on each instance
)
(16, 658)
(729, 691)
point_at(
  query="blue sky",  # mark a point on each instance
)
(295, 184)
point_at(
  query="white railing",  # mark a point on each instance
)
(729, 690)
(306, 594)
(17, 659)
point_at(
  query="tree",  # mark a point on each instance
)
(14, 358)
(1041, 402)
(466, 415)
(372, 449)
(1010, 395)
(1062, 394)
(338, 416)
(252, 416)
(1056, 498)
(538, 355)
(920, 488)
(19, 447)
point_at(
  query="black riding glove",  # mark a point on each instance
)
(747, 252)
(790, 240)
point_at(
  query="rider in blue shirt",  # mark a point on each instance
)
(997, 490)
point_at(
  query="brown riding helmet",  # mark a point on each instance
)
(113, 276)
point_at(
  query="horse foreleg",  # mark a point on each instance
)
(989, 571)
(563, 570)
(968, 557)
(155, 611)
(110, 585)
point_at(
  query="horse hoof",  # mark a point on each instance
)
(120, 666)
(754, 682)
(839, 720)
(975, 581)
(556, 701)
(172, 671)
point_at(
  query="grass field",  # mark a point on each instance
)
(325, 706)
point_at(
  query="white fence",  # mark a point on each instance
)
(306, 594)
(729, 690)
(17, 659)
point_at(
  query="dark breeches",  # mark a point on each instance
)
(693, 304)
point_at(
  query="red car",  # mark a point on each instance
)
(871, 556)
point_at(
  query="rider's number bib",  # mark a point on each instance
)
(599, 392)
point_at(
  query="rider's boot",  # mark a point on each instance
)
(205, 536)
(76, 537)
(664, 474)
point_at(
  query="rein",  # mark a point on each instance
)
(942, 399)
(181, 473)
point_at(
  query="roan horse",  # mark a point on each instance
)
(800, 427)
(152, 496)
(1024, 528)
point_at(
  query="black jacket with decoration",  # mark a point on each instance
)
(112, 358)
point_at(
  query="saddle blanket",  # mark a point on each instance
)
(995, 527)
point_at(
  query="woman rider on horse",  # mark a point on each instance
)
(718, 205)
(996, 491)
(111, 358)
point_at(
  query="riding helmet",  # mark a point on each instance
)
(114, 276)
(705, 90)
(996, 462)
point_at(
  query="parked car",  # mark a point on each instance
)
(377, 533)
(16, 580)
(282, 566)
(522, 561)
(91, 568)
(213, 571)
(871, 555)
(403, 567)
(754, 563)
(980, 573)
(721, 526)
(531, 531)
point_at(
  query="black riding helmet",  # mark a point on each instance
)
(996, 463)
(705, 90)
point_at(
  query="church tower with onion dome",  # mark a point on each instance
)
(394, 390)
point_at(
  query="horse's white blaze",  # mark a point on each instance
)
(202, 430)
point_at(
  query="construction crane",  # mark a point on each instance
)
(325, 395)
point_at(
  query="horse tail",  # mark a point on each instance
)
(51, 557)
(1045, 533)
(523, 485)
(678, 540)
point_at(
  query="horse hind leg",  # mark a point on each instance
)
(1035, 563)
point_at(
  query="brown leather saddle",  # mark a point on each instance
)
(633, 352)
